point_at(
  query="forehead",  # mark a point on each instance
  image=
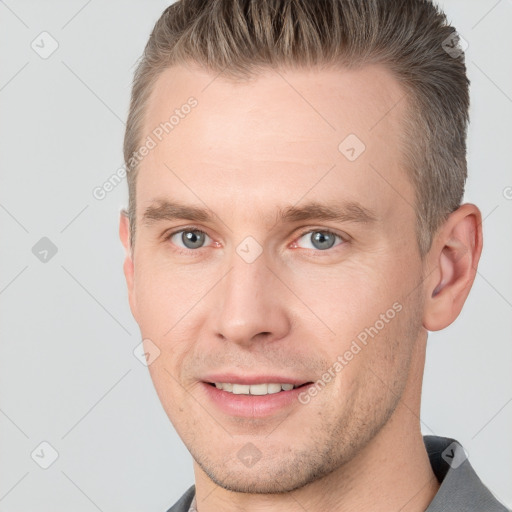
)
(278, 135)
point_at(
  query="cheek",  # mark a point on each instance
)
(171, 394)
(165, 305)
(350, 297)
(375, 367)
(365, 307)
(164, 294)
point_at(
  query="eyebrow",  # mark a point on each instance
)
(347, 211)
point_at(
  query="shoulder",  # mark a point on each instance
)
(460, 489)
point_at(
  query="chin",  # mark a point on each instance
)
(278, 477)
(256, 484)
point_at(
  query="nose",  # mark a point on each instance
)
(251, 304)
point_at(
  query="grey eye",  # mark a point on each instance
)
(320, 240)
(189, 239)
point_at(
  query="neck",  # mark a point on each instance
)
(392, 472)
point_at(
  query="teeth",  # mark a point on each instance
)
(253, 389)
(273, 388)
(260, 389)
(241, 389)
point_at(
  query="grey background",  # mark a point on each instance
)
(68, 375)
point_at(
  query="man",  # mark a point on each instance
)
(294, 229)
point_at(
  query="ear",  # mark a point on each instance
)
(128, 266)
(451, 266)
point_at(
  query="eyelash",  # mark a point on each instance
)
(168, 236)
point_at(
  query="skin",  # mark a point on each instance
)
(246, 150)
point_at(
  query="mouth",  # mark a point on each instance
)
(259, 389)
(256, 397)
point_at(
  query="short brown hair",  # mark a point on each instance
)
(409, 37)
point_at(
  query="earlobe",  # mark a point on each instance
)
(453, 261)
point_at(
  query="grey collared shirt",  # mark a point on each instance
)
(461, 490)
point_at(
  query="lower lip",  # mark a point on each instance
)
(253, 406)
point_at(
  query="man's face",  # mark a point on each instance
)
(276, 291)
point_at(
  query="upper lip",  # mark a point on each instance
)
(253, 379)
